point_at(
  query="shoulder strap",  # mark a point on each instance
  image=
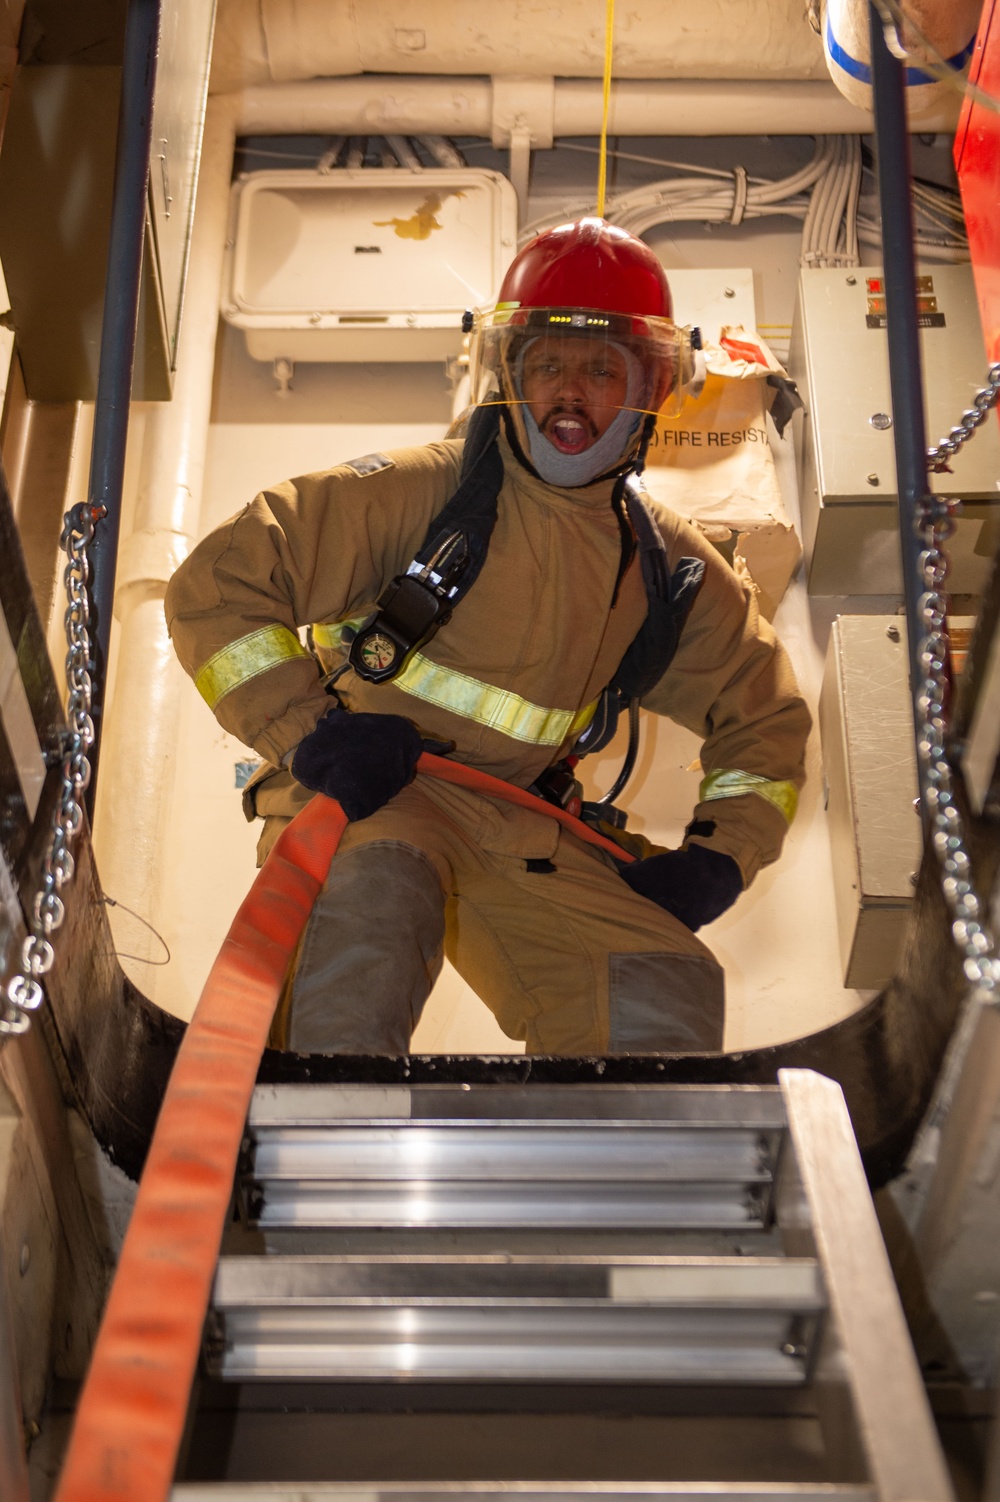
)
(652, 551)
(472, 510)
(670, 596)
(416, 604)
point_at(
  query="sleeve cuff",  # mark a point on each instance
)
(748, 828)
(279, 739)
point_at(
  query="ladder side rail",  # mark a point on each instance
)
(873, 1404)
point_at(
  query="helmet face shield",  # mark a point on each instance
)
(582, 349)
(578, 359)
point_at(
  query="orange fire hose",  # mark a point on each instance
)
(134, 1403)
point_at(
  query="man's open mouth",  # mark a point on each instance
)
(569, 432)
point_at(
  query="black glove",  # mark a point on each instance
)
(361, 760)
(696, 884)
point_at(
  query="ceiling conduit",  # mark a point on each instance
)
(493, 108)
(262, 41)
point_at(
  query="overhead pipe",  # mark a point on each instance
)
(449, 106)
(697, 107)
(366, 107)
(118, 332)
(892, 156)
(263, 41)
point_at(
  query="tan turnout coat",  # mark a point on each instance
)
(538, 624)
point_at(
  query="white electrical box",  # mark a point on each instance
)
(365, 265)
(847, 470)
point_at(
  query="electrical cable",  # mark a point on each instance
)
(649, 161)
(851, 219)
(444, 151)
(142, 959)
(331, 155)
(826, 193)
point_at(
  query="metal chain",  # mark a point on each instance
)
(983, 402)
(935, 524)
(24, 994)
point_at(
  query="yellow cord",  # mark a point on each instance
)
(602, 171)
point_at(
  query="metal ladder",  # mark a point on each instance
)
(557, 1292)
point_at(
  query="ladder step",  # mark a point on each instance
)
(701, 1105)
(579, 1174)
(736, 1320)
(520, 1151)
(679, 1207)
(781, 1282)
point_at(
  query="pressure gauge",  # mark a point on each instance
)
(378, 651)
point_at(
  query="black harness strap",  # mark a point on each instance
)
(472, 510)
(416, 604)
(670, 596)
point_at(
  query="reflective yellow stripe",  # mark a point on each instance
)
(246, 659)
(784, 795)
(497, 708)
(330, 634)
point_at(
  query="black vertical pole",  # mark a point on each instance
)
(892, 149)
(118, 331)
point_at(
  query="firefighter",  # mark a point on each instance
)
(491, 600)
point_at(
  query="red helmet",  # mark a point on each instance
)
(589, 264)
(588, 279)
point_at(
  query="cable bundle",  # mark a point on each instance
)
(825, 194)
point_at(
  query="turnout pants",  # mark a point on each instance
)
(565, 955)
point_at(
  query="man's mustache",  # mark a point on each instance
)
(554, 413)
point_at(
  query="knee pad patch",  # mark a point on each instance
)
(665, 1003)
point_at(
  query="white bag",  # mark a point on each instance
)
(713, 463)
